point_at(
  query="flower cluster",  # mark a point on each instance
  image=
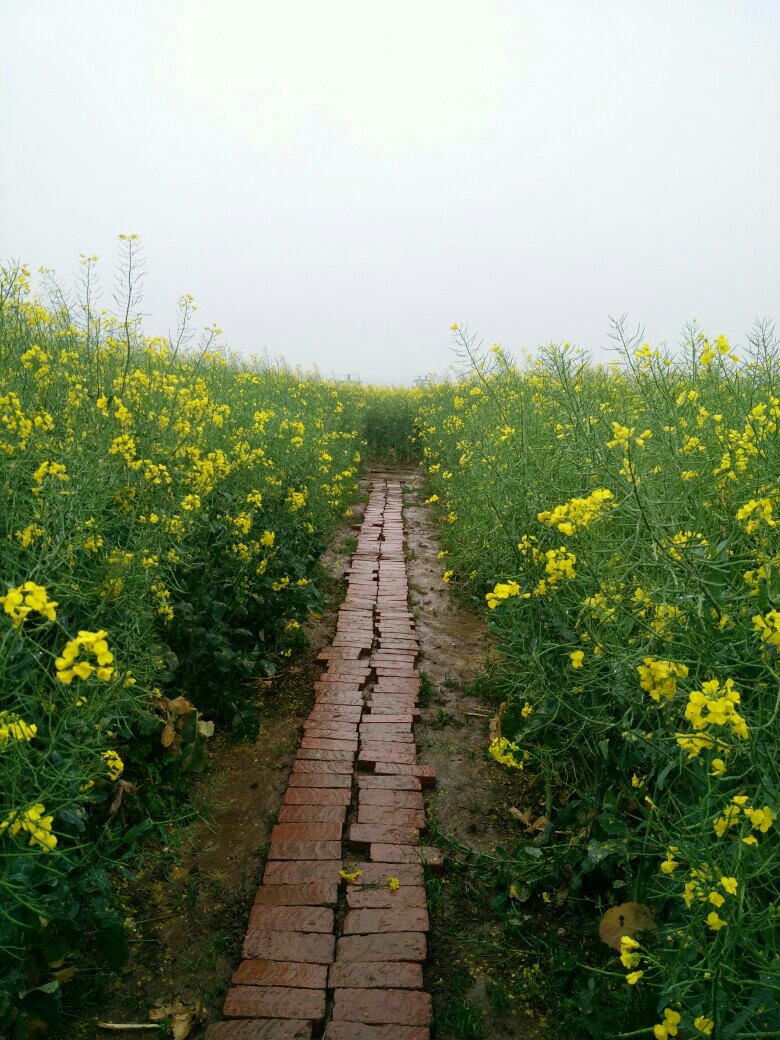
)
(659, 678)
(33, 822)
(28, 597)
(70, 667)
(578, 513)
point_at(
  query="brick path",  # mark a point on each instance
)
(325, 956)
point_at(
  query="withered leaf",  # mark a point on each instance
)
(626, 919)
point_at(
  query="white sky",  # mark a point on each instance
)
(337, 182)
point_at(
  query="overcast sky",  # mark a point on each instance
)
(338, 182)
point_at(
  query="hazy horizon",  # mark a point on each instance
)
(337, 184)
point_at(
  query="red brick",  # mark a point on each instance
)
(321, 795)
(274, 1002)
(387, 720)
(378, 874)
(359, 667)
(379, 975)
(402, 1007)
(371, 752)
(312, 831)
(322, 755)
(329, 744)
(312, 894)
(296, 918)
(336, 678)
(363, 835)
(425, 774)
(361, 1031)
(391, 705)
(325, 710)
(399, 671)
(397, 946)
(373, 921)
(338, 693)
(302, 872)
(391, 816)
(266, 1029)
(396, 734)
(286, 973)
(340, 653)
(343, 780)
(303, 947)
(308, 850)
(317, 765)
(316, 732)
(385, 897)
(410, 687)
(312, 814)
(396, 782)
(390, 799)
(386, 853)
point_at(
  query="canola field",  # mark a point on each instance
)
(621, 526)
(164, 507)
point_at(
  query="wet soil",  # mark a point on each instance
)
(484, 982)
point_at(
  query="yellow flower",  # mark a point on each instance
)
(11, 725)
(669, 1025)
(114, 764)
(350, 877)
(714, 922)
(730, 885)
(501, 749)
(761, 819)
(20, 602)
(93, 643)
(633, 977)
(704, 1024)
(35, 823)
(577, 658)
(393, 884)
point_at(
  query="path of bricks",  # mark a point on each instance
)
(326, 956)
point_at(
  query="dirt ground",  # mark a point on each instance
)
(482, 986)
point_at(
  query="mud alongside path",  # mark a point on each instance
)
(481, 986)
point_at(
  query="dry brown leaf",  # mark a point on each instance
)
(64, 975)
(182, 1018)
(167, 736)
(626, 919)
(123, 787)
(495, 722)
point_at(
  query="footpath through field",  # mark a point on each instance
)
(329, 955)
